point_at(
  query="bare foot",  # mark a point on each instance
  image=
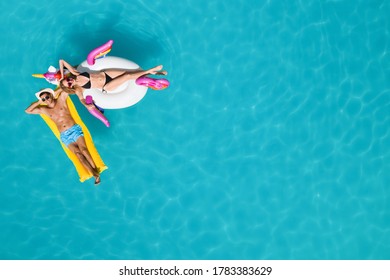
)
(97, 180)
(156, 69)
(162, 73)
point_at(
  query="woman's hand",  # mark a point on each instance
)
(71, 69)
(74, 72)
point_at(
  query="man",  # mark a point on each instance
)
(71, 134)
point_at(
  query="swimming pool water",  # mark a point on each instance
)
(272, 141)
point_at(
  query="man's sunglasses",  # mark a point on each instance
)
(47, 98)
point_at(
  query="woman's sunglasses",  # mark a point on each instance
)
(47, 98)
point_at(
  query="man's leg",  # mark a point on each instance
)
(83, 148)
(74, 147)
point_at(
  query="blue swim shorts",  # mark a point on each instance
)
(71, 134)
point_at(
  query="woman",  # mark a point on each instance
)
(107, 79)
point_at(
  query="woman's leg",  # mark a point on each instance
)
(127, 76)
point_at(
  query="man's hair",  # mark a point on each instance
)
(44, 92)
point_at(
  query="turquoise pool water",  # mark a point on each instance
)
(272, 141)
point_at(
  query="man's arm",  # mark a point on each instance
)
(58, 91)
(35, 108)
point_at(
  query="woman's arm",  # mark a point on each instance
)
(57, 92)
(64, 64)
(79, 93)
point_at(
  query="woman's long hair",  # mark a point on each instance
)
(70, 90)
